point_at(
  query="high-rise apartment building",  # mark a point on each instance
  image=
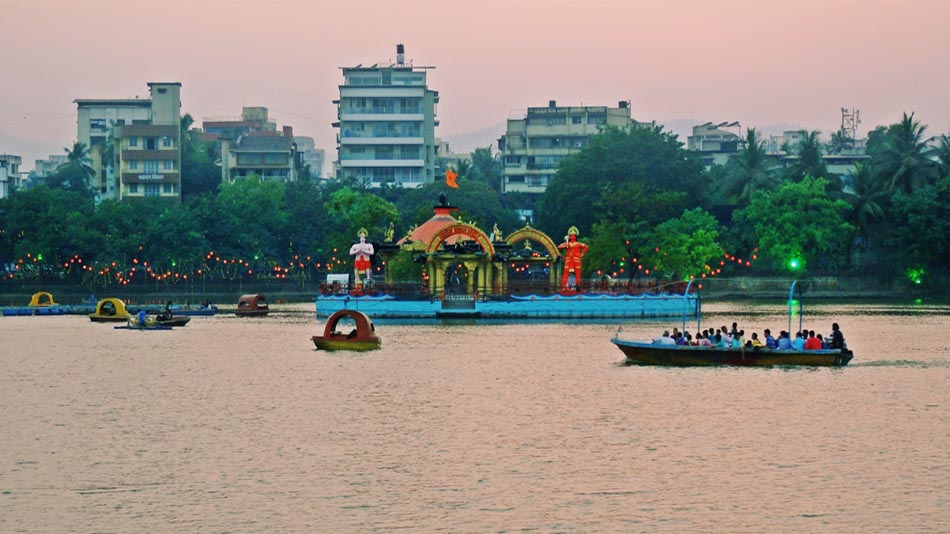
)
(134, 144)
(387, 124)
(535, 143)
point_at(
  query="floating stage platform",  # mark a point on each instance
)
(598, 306)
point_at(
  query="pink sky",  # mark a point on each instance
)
(758, 63)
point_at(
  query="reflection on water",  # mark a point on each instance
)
(239, 425)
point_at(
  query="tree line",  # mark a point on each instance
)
(644, 204)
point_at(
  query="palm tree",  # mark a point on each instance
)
(78, 158)
(840, 141)
(809, 161)
(752, 171)
(865, 194)
(904, 161)
(943, 156)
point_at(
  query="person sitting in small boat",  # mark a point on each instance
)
(812, 342)
(665, 339)
(703, 340)
(769, 340)
(739, 339)
(754, 342)
(142, 317)
(836, 338)
(724, 332)
(720, 342)
(799, 342)
(824, 344)
(784, 341)
(166, 314)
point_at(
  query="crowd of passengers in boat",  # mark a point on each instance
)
(725, 338)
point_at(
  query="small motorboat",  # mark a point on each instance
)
(648, 353)
(362, 335)
(252, 306)
(110, 310)
(207, 309)
(175, 320)
(147, 326)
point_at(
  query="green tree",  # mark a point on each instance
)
(798, 221)
(349, 210)
(749, 171)
(902, 158)
(199, 172)
(840, 141)
(867, 196)
(919, 229)
(686, 245)
(809, 162)
(486, 168)
(248, 218)
(640, 173)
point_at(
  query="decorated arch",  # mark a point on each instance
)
(460, 229)
(535, 235)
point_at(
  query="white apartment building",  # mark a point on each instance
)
(535, 142)
(134, 144)
(10, 178)
(387, 123)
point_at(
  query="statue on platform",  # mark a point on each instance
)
(390, 232)
(496, 233)
(361, 253)
(574, 250)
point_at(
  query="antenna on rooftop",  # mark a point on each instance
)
(850, 119)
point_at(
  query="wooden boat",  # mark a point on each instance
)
(649, 353)
(639, 353)
(110, 310)
(175, 320)
(361, 337)
(151, 326)
(203, 310)
(252, 306)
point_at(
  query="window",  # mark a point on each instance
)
(576, 120)
(166, 141)
(133, 165)
(597, 119)
(150, 166)
(133, 188)
(512, 161)
(168, 165)
(384, 152)
(151, 190)
(162, 90)
(167, 188)
(97, 124)
(150, 143)
(133, 141)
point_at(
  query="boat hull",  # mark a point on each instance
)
(146, 327)
(342, 344)
(639, 353)
(96, 318)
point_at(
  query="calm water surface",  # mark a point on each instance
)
(239, 425)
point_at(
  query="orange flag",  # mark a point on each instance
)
(450, 179)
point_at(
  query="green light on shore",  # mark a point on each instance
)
(793, 264)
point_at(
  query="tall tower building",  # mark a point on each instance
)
(387, 124)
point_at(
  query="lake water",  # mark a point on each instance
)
(239, 425)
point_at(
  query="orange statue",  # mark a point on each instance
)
(361, 262)
(574, 251)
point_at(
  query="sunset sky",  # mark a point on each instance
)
(758, 63)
